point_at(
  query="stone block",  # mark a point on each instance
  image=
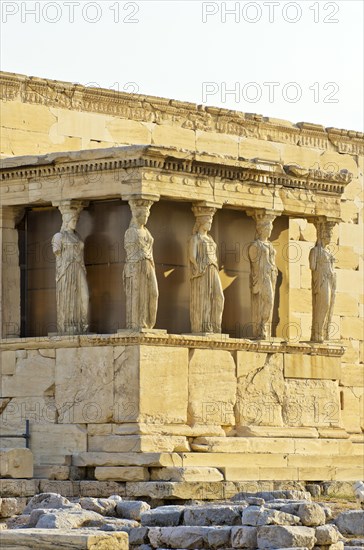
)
(351, 234)
(179, 490)
(212, 515)
(312, 403)
(297, 365)
(137, 443)
(234, 460)
(7, 363)
(121, 473)
(248, 361)
(186, 474)
(220, 144)
(352, 327)
(163, 516)
(11, 507)
(251, 148)
(326, 535)
(311, 514)
(346, 305)
(33, 376)
(258, 515)
(82, 125)
(279, 432)
(15, 142)
(317, 447)
(80, 539)
(352, 375)
(52, 442)
(24, 116)
(102, 489)
(60, 473)
(16, 463)
(19, 487)
(349, 280)
(243, 445)
(260, 394)
(301, 300)
(280, 536)
(346, 258)
(244, 537)
(212, 387)
(14, 413)
(351, 523)
(131, 510)
(151, 384)
(127, 459)
(126, 131)
(173, 136)
(352, 408)
(84, 384)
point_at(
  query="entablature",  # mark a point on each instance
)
(172, 174)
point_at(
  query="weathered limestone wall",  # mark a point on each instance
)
(39, 117)
(175, 412)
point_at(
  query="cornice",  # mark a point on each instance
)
(175, 340)
(158, 110)
(173, 161)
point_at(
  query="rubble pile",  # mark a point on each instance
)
(264, 520)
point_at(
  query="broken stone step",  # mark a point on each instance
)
(36, 539)
(127, 459)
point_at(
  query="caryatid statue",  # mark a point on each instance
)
(263, 275)
(323, 281)
(207, 297)
(139, 277)
(72, 294)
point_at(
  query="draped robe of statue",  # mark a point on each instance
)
(323, 291)
(263, 278)
(140, 280)
(207, 297)
(72, 295)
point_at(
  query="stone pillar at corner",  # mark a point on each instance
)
(323, 281)
(10, 314)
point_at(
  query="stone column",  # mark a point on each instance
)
(263, 274)
(72, 294)
(206, 295)
(139, 276)
(323, 280)
(10, 315)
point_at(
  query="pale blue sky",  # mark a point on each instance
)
(305, 50)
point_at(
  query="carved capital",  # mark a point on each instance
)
(263, 215)
(70, 206)
(148, 198)
(205, 209)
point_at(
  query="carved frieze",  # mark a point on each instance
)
(176, 113)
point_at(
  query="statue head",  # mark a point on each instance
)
(204, 216)
(140, 209)
(264, 229)
(70, 213)
(324, 232)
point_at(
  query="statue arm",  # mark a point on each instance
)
(57, 244)
(255, 272)
(313, 259)
(192, 253)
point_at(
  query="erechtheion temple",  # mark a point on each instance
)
(181, 294)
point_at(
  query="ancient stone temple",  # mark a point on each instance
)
(181, 293)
